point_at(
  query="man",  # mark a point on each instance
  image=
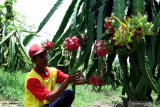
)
(40, 82)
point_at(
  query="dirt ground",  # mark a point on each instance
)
(98, 104)
(9, 104)
(14, 104)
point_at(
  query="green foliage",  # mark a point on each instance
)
(86, 97)
(138, 7)
(12, 54)
(12, 86)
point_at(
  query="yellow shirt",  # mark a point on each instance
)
(30, 100)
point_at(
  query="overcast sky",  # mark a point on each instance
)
(36, 10)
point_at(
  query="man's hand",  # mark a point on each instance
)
(74, 77)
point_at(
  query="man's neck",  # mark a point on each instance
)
(41, 70)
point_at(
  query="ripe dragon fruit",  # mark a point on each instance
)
(100, 48)
(108, 26)
(48, 45)
(96, 81)
(72, 43)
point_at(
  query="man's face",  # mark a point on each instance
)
(41, 59)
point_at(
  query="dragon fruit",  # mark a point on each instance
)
(100, 49)
(96, 81)
(108, 26)
(48, 45)
(72, 43)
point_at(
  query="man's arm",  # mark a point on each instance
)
(58, 92)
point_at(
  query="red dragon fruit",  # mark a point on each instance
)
(96, 81)
(72, 43)
(48, 45)
(108, 26)
(100, 48)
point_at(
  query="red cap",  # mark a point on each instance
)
(35, 49)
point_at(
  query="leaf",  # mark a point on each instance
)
(11, 55)
(123, 64)
(156, 44)
(74, 15)
(92, 68)
(61, 39)
(98, 4)
(79, 6)
(138, 7)
(86, 62)
(7, 37)
(90, 32)
(51, 12)
(110, 59)
(81, 20)
(28, 38)
(119, 10)
(56, 55)
(153, 9)
(150, 54)
(140, 85)
(78, 15)
(149, 32)
(100, 21)
(64, 21)
(81, 59)
(22, 54)
(148, 75)
(157, 23)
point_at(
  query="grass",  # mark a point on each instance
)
(12, 86)
(86, 97)
(12, 89)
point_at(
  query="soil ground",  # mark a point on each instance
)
(9, 104)
(14, 104)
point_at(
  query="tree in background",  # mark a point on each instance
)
(12, 54)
